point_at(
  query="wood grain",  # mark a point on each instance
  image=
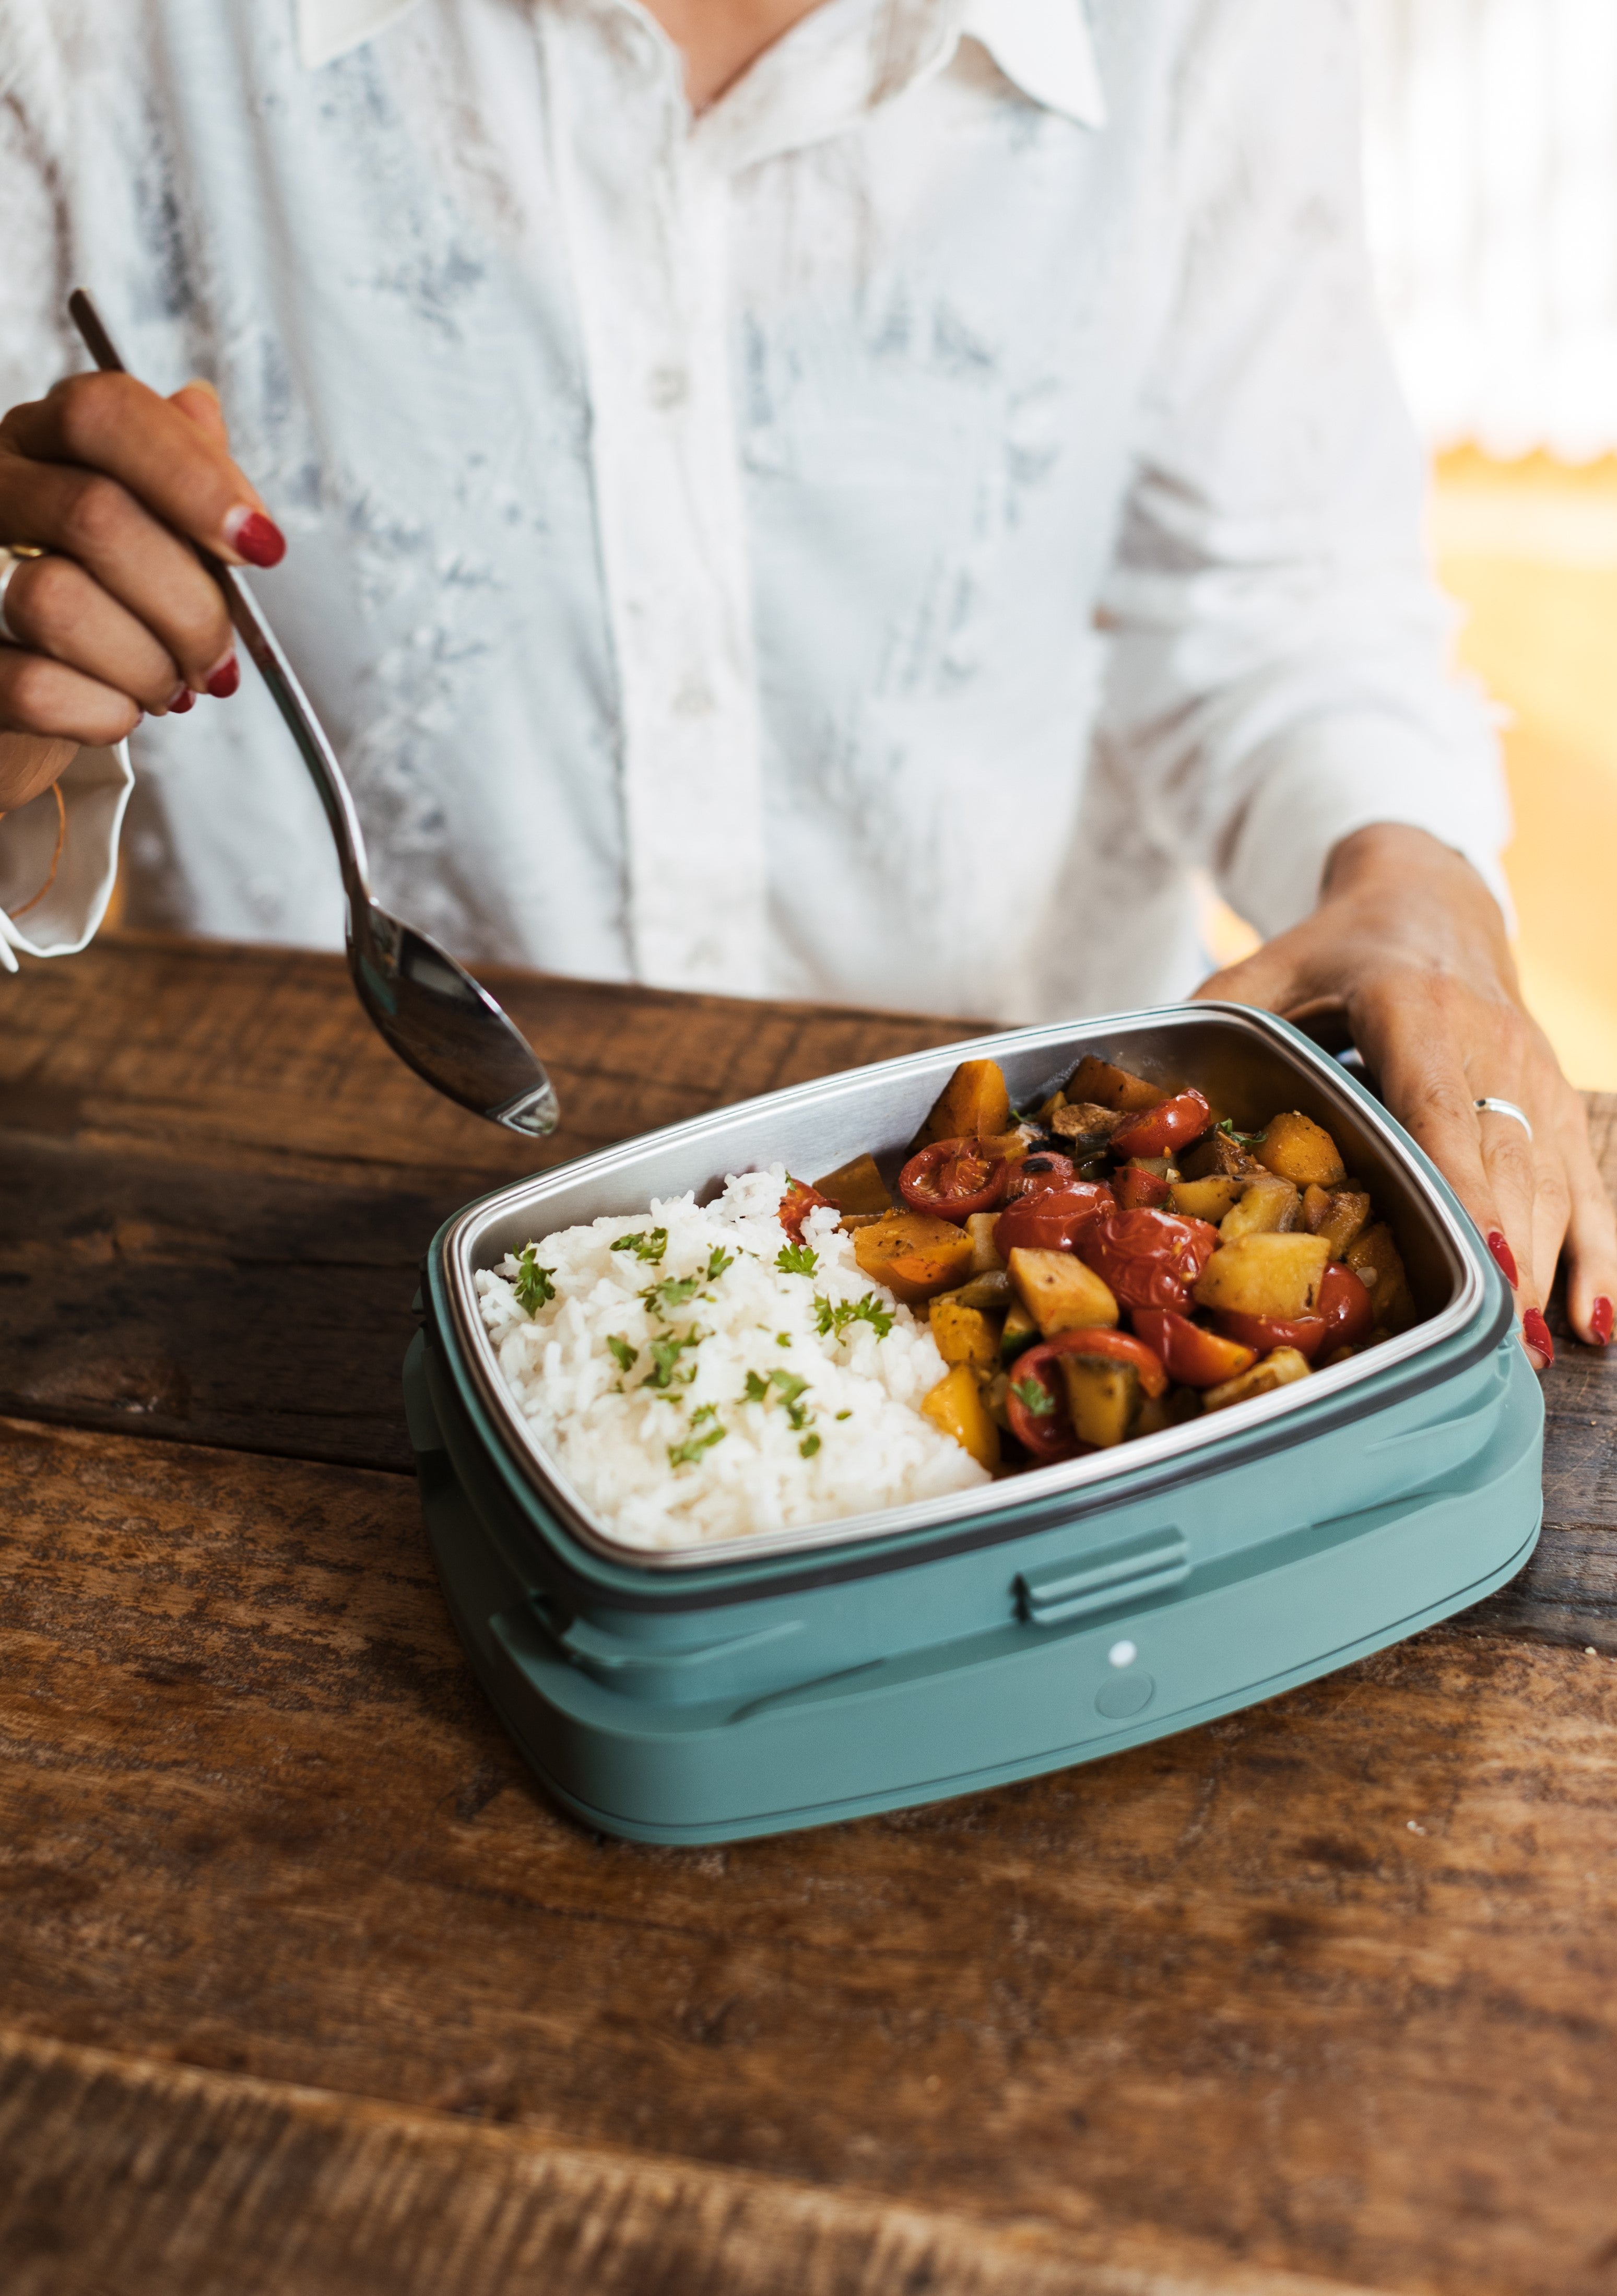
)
(1327, 1987)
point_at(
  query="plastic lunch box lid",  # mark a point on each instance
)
(1475, 1319)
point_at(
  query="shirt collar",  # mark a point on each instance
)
(1043, 46)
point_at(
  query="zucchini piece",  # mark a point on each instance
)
(1277, 1369)
(1020, 1332)
(1102, 1396)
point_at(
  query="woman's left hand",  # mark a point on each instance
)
(1409, 946)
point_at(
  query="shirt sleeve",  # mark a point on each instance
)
(1279, 673)
(47, 915)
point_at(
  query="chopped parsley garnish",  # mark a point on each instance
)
(626, 1357)
(533, 1286)
(796, 1260)
(666, 1353)
(757, 1388)
(703, 1410)
(867, 1310)
(719, 1259)
(1034, 1397)
(788, 1387)
(686, 1454)
(1246, 1139)
(809, 1445)
(783, 1338)
(673, 1291)
(649, 1244)
(844, 1415)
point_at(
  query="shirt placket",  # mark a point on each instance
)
(648, 222)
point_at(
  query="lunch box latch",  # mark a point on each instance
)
(1127, 1571)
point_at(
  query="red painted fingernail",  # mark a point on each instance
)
(226, 679)
(255, 537)
(181, 700)
(1600, 1320)
(1506, 1256)
(1536, 1331)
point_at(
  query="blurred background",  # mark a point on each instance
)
(1490, 169)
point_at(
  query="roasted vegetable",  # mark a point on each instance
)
(1300, 1151)
(1278, 1370)
(1148, 1257)
(1086, 1124)
(1220, 1152)
(986, 1253)
(964, 1334)
(856, 1187)
(1159, 1131)
(1194, 1356)
(796, 1204)
(1059, 1291)
(1379, 1267)
(1265, 1276)
(1135, 1186)
(1102, 1399)
(991, 1290)
(1340, 1214)
(914, 1255)
(973, 1105)
(1269, 1206)
(1209, 1199)
(954, 1178)
(1113, 1088)
(1020, 1332)
(956, 1406)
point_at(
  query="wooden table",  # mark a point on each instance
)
(305, 1987)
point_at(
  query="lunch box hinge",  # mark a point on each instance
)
(1126, 1572)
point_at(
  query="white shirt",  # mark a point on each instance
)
(874, 540)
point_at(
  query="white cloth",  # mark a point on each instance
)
(873, 541)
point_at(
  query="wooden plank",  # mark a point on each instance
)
(261, 1059)
(160, 2180)
(1324, 1988)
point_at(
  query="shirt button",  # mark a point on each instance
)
(668, 386)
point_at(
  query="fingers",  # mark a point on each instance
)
(199, 402)
(1591, 1232)
(95, 521)
(158, 452)
(28, 768)
(55, 608)
(45, 697)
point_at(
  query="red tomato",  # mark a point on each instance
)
(1345, 1307)
(1150, 1258)
(1050, 1221)
(1171, 1124)
(796, 1205)
(954, 1178)
(1194, 1356)
(1134, 1189)
(1306, 1333)
(1048, 1434)
(1035, 1174)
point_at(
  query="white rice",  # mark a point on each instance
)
(848, 1439)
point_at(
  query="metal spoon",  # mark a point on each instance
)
(428, 1007)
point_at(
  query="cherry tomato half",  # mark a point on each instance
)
(1034, 1175)
(954, 1178)
(1053, 1219)
(1194, 1356)
(1345, 1308)
(1149, 1257)
(1049, 1433)
(1133, 1188)
(1306, 1333)
(795, 1206)
(1158, 1131)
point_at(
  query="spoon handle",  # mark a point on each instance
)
(248, 617)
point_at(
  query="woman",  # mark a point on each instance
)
(856, 500)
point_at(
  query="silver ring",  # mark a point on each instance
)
(1504, 1108)
(10, 560)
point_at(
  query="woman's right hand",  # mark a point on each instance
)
(119, 618)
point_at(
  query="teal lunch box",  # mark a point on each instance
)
(804, 1674)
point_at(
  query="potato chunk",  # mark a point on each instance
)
(1299, 1150)
(1376, 1261)
(973, 1105)
(1060, 1292)
(956, 1406)
(962, 1333)
(1210, 1200)
(1277, 1369)
(1113, 1088)
(856, 1187)
(986, 1254)
(1266, 1206)
(1337, 1214)
(1104, 1398)
(1265, 1275)
(914, 1255)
